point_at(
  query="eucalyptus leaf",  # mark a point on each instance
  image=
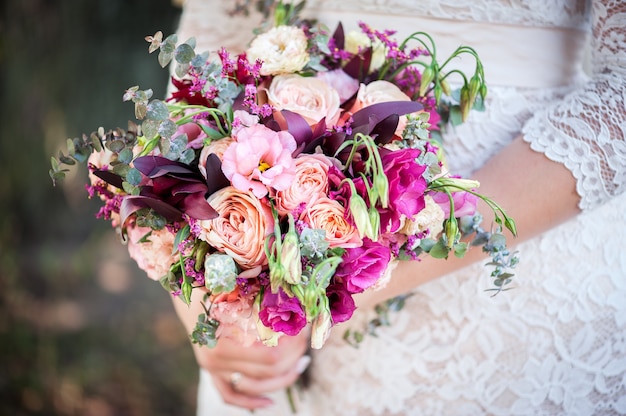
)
(184, 53)
(157, 110)
(140, 110)
(116, 146)
(150, 128)
(187, 156)
(167, 129)
(125, 156)
(165, 58)
(133, 177)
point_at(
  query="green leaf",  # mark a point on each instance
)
(167, 129)
(456, 117)
(181, 236)
(133, 177)
(439, 250)
(95, 141)
(126, 155)
(140, 110)
(187, 156)
(165, 58)
(157, 110)
(150, 128)
(116, 146)
(184, 53)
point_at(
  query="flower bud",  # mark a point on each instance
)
(358, 209)
(381, 188)
(290, 255)
(452, 230)
(320, 328)
(427, 77)
(474, 86)
(465, 103)
(509, 223)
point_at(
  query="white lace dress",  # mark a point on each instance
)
(556, 345)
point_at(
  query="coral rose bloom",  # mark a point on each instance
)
(312, 98)
(260, 158)
(240, 230)
(329, 215)
(310, 183)
(153, 256)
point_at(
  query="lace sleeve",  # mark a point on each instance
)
(586, 131)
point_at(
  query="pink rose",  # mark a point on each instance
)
(240, 230)
(312, 98)
(330, 216)
(343, 83)
(406, 187)
(260, 158)
(217, 147)
(363, 266)
(310, 183)
(154, 256)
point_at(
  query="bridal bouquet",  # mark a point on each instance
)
(285, 180)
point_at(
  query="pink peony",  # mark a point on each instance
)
(406, 187)
(260, 158)
(282, 313)
(240, 230)
(153, 256)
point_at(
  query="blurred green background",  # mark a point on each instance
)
(82, 330)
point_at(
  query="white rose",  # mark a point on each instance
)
(310, 97)
(357, 41)
(282, 49)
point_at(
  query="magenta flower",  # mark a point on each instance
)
(363, 266)
(406, 187)
(259, 159)
(341, 304)
(282, 313)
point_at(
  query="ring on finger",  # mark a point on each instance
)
(235, 379)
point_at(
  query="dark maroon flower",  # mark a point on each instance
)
(282, 313)
(363, 266)
(185, 94)
(406, 187)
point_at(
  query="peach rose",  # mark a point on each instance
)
(153, 256)
(312, 98)
(380, 91)
(236, 315)
(216, 146)
(240, 230)
(329, 215)
(310, 183)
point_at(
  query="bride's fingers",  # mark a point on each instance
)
(243, 384)
(236, 398)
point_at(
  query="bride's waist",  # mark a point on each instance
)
(512, 55)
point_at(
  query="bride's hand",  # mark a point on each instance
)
(243, 375)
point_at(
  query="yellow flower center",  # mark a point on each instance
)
(263, 166)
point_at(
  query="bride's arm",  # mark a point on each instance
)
(571, 157)
(537, 192)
